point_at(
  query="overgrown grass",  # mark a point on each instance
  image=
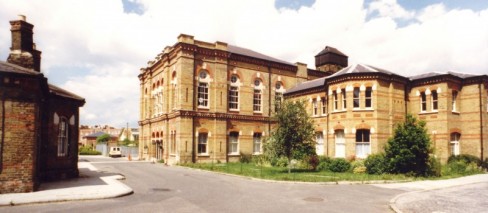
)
(281, 173)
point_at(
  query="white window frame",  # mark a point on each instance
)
(315, 107)
(370, 98)
(319, 146)
(257, 104)
(356, 94)
(454, 143)
(340, 139)
(423, 102)
(257, 142)
(344, 99)
(202, 142)
(323, 101)
(434, 99)
(454, 100)
(363, 147)
(279, 90)
(336, 101)
(233, 143)
(234, 98)
(203, 90)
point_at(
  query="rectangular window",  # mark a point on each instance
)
(340, 144)
(368, 97)
(233, 98)
(234, 143)
(202, 143)
(257, 143)
(324, 105)
(319, 147)
(344, 99)
(423, 102)
(355, 98)
(362, 143)
(202, 94)
(257, 101)
(63, 138)
(454, 99)
(434, 100)
(336, 102)
(315, 107)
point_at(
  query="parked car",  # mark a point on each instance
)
(115, 152)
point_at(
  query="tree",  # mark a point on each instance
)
(408, 151)
(103, 138)
(293, 136)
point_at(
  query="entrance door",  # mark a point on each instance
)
(340, 144)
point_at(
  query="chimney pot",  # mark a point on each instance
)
(22, 17)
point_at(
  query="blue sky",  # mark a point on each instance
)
(96, 48)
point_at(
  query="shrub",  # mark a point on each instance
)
(261, 160)
(435, 167)
(458, 167)
(339, 165)
(245, 158)
(375, 164)
(357, 163)
(484, 164)
(324, 162)
(161, 161)
(313, 161)
(466, 158)
(359, 170)
(280, 162)
(88, 151)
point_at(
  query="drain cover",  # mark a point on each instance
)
(161, 190)
(313, 199)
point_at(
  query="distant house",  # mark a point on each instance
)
(91, 141)
(39, 121)
(89, 130)
(129, 133)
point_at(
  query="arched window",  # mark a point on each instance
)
(63, 139)
(434, 98)
(454, 144)
(423, 102)
(279, 90)
(257, 96)
(202, 96)
(234, 93)
(355, 98)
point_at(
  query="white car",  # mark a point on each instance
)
(115, 152)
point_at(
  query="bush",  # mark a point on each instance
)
(375, 164)
(261, 160)
(88, 151)
(313, 161)
(339, 165)
(324, 162)
(279, 162)
(466, 158)
(245, 158)
(435, 167)
(484, 164)
(359, 170)
(458, 167)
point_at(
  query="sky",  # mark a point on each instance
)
(96, 48)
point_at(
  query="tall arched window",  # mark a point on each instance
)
(363, 146)
(279, 90)
(454, 144)
(423, 102)
(63, 139)
(202, 96)
(434, 98)
(234, 93)
(257, 96)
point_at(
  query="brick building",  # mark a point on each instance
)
(213, 101)
(39, 121)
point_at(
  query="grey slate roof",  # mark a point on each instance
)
(13, 68)
(64, 93)
(307, 85)
(433, 74)
(360, 68)
(254, 54)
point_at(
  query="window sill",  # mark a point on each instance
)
(233, 110)
(256, 112)
(428, 113)
(233, 154)
(363, 110)
(338, 111)
(203, 108)
(203, 155)
(456, 112)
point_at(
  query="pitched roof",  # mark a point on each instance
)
(328, 49)
(433, 74)
(64, 93)
(254, 54)
(360, 68)
(13, 68)
(307, 85)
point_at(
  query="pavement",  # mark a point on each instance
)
(419, 196)
(92, 184)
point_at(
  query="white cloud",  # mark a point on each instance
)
(105, 47)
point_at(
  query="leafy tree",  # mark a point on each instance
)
(103, 138)
(293, 136)
(408, 151)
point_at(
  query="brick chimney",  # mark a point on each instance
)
(23, 51)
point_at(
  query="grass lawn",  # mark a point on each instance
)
(280, 173)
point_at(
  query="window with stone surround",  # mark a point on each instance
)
(173, 142)
(363, 146)
(454, 100)
(324, 105)
(315, 107)
(279, 90)
(256, 142)
(175, 91)
(234, 143)
(355, 98)
(423, 102)
(257, 96)
(63, 139)
(202, 94)
(344, 99)
(319, 146)
(202, 143)
(368, 97)
(454, 144)
(434, 99)
(234, 93)
(336, 102)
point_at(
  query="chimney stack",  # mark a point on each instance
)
(23, 51)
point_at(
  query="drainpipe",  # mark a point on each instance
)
(193, 142)
(269, 100)
(481, 121)
(328, 115)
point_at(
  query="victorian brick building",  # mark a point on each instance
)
(213, 101)
(39, 121)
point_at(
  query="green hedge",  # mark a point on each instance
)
(88, 151)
